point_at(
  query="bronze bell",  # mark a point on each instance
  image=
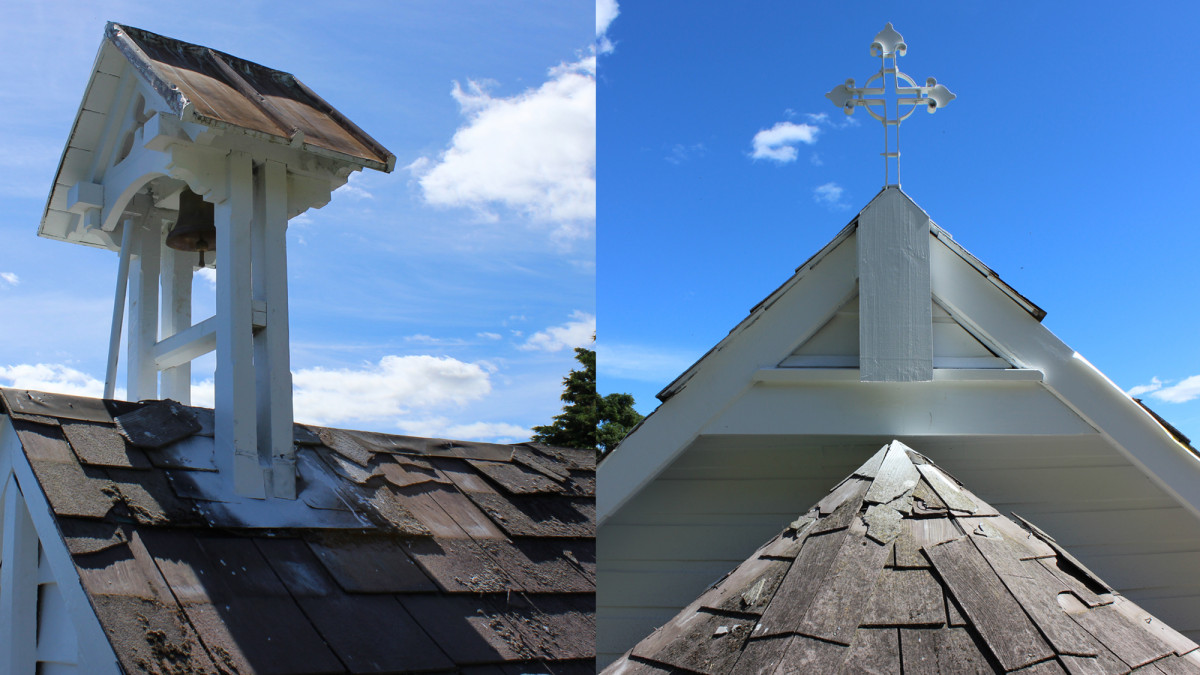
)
(194, 229)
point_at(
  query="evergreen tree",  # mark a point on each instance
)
(588, 421)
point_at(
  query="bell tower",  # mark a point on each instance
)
(184, 157)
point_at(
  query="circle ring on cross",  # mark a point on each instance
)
(911, 90)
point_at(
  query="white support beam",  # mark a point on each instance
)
(176, 380)
(18, 585)
(235, 387)
(272, 359)
(114, 337)
(895, 328)
(142, 376)
(187, 345)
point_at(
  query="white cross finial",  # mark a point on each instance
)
(889, 44)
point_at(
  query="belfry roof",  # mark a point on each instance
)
(902, 569)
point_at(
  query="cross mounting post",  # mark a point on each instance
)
(889, 44)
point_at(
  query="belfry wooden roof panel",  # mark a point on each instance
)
(215, 89)
(901, 569)
(359, 574)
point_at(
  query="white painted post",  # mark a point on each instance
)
(142, 376)
(18, 585)
(272, 359)
(895, 325)
(177, 316)
(235, 387)
(114, 337)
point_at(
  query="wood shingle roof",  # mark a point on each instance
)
(400, 554)
(902, 569)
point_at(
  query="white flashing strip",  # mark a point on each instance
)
(828, 375)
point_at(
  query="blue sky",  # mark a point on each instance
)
(1068, 164)
(443, 299)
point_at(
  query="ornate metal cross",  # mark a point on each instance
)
(889, 44)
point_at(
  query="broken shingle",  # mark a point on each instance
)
(99, 444)
(518, 479)
(89, 536)
(157, 423)
(71, 488)
(62, 406)
(345, 445)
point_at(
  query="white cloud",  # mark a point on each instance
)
(606, 11)
(493, 431)
(1155, 385)
(202, 394)
(681, 153)
(52, 377)
(534, 153)
(1185, 390)
(208, 274)
(778, 142)
(353, 188)
(9, 279)
(390, 389)
(577, 332)
(421, 338)
(489, 336)
(829, 194)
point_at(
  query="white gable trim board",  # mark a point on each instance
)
(754, 432)
(54, 630)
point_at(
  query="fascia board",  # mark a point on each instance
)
(95, 651)
(1078, 384)
(67, 146)
(946, 239)
(801, 272)
(725, 373)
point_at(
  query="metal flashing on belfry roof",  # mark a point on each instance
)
(221, 90)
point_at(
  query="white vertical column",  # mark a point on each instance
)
(142, 376)
(177, 316)
(895, 304)
(236, 428)
(118, 317)
(18, 585)
(272, 359)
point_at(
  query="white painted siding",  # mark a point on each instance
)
(47, 625)
(57, 644)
